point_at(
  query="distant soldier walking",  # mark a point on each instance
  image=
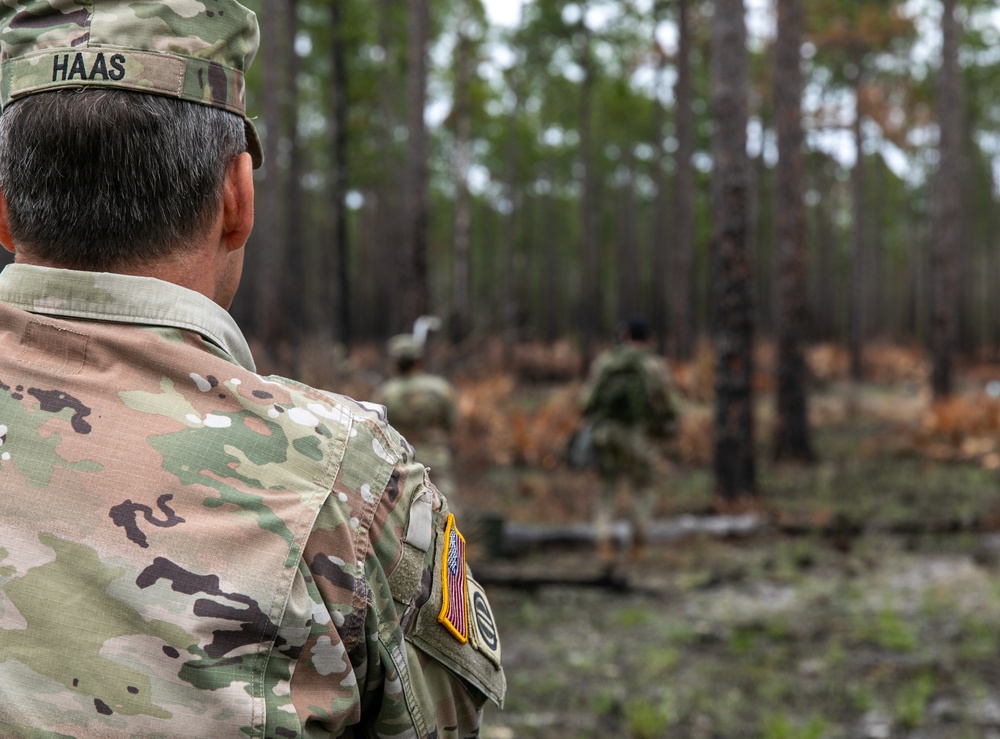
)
(628, 408)
(423, 408)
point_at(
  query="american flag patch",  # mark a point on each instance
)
(454, 589)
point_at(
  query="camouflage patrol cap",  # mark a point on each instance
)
(404, 346)
(186, 49)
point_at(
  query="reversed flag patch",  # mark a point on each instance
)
(454, 587)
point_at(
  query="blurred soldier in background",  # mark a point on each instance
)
(628, 409)
(422, 407)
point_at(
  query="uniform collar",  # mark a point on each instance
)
(103, 296)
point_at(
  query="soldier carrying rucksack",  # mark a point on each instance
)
(627, 409)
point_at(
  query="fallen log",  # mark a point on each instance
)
(501, 538)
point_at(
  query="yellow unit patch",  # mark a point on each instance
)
(454, 585)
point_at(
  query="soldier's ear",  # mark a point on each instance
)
(237, 203)
(5, 238)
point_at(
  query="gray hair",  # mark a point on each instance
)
(101, 179)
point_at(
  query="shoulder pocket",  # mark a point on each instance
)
(455, 625)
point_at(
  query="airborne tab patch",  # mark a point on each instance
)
(454, 587)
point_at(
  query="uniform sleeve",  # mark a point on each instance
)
(452, 644)
(371, 579)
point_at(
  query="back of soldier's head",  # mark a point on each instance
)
(635, 329)
(638, 329)
(118, 125)
(406, 351)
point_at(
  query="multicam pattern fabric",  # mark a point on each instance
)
(191, 50)
(623, 446)
(423, 407)
(188, 548)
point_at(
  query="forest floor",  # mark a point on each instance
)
(863, 602)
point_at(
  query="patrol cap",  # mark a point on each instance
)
(186, 49)
(404, 346)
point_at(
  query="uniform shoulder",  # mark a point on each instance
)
(434, 382)
(360, 418)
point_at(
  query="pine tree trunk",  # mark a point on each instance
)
(859, 257)
(270, 316)
(335, 269)
(684, 190)
(462, 158)
(627, 260)
(791, 436)
(947, 209)
(590, 299)
(735, 469)
(660, 240)
(550, 259)
(389, 223)
(415, 287)
(824, 283)
(294, 287)
(508, 239)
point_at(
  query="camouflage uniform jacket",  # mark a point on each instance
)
(188, 548)
(656, 386)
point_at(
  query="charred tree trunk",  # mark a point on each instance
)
(735, 469)
(947, 209)
(791, 436)
(389, 223)
(462, 238)
(415, 287)
(683, 313)
(269, 318)
(590, 300)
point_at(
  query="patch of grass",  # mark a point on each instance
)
(912, 700)
(861, 696)
(638, 615)
(781, 726)
(977, 640)
(887, 629)
(649, 719)
(660, 661)
(691, 491)
(744, 641)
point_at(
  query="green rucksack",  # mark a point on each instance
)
(620, 392)
(623, 392)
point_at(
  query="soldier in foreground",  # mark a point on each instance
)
(188, 548)
(628, 408)
(422, 407)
